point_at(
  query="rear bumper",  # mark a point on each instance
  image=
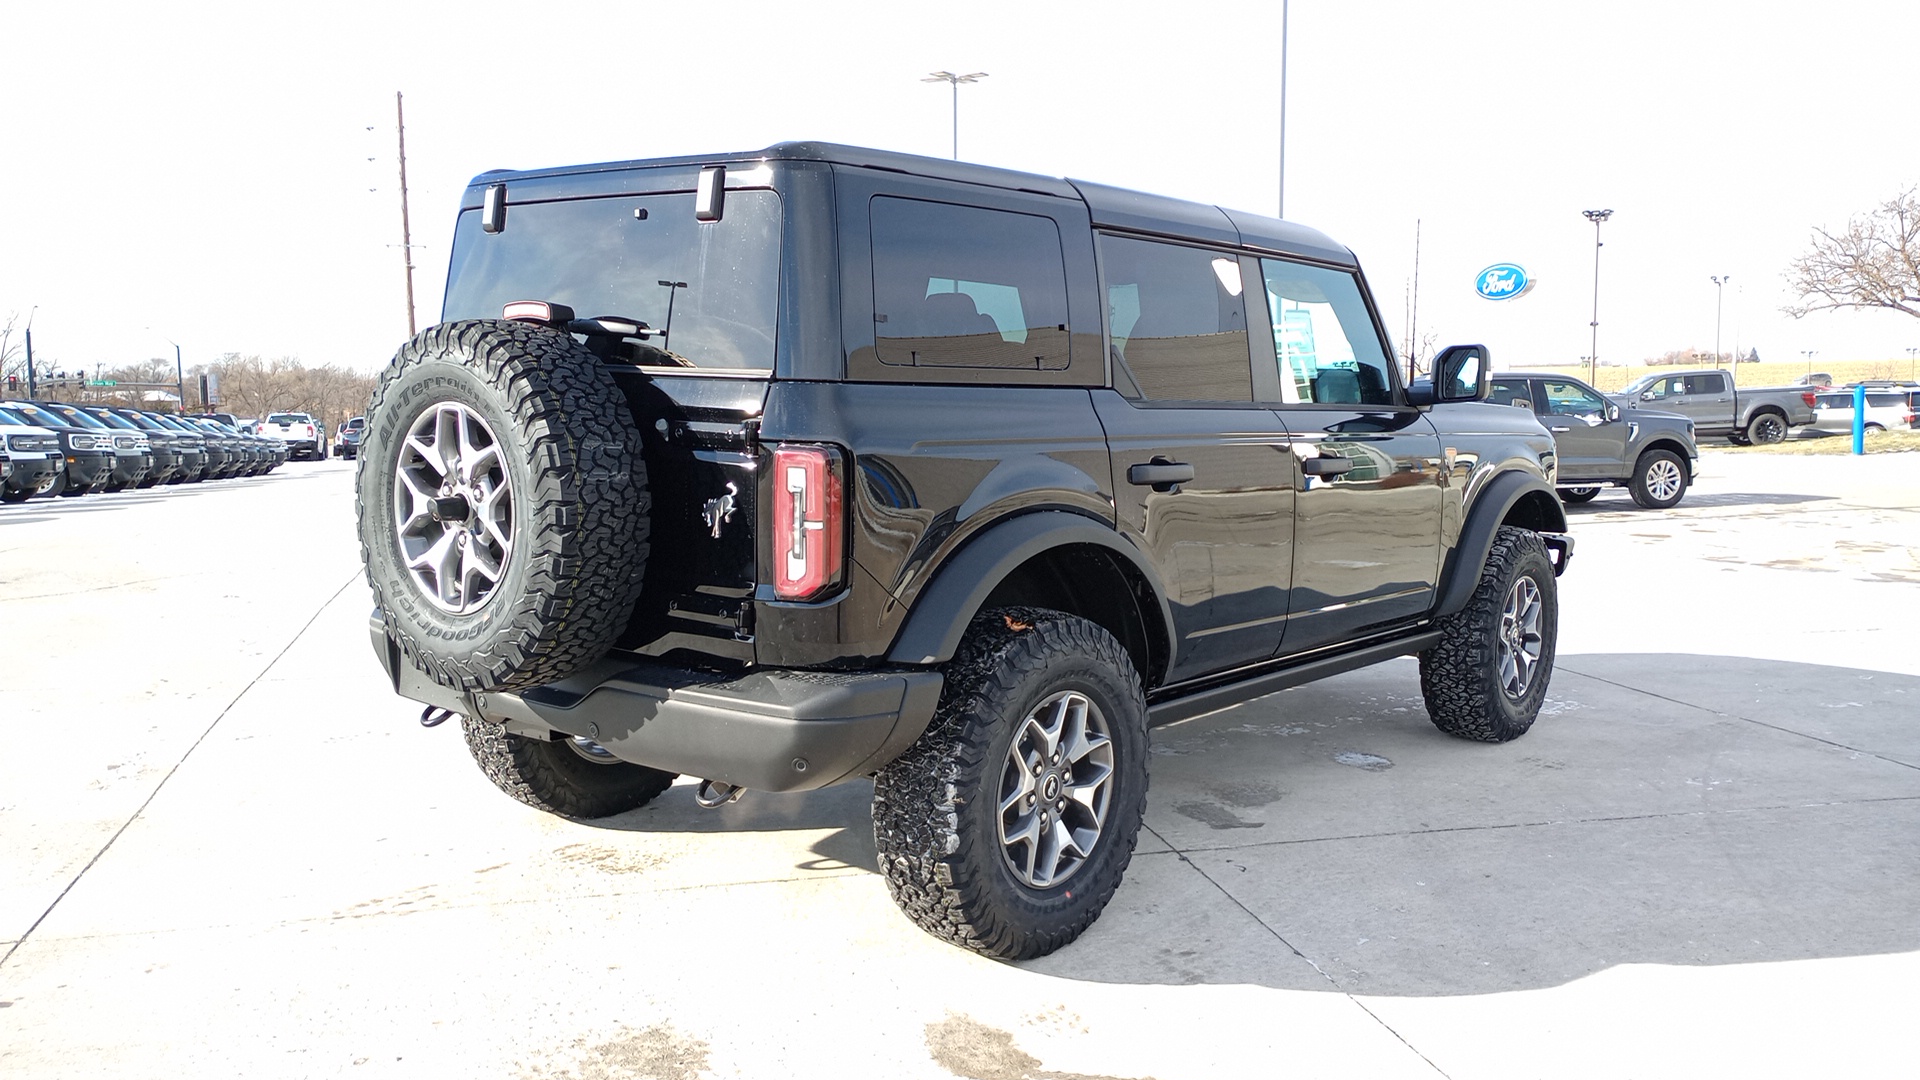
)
(771, 729)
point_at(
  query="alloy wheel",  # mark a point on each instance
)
(453, 508)
(1055, 790)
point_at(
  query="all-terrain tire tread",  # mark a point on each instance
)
(550, 776)
(1458, 676)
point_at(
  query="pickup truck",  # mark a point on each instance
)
(1709, 399)
(299, 431)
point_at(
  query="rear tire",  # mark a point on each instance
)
(1766, 428)
(1486, 678)
(1659, 479)
(1039, 707)
(568, 777)
(503, 505)
(1574, 496)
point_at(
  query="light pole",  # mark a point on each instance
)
(1593, 349)
(179, 373)
(1808, 353)
(1281, 210)
(1911, 353)
(30, 315)
(1719, 293)
(955, 81)
(673, 289)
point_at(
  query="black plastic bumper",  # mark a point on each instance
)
(770, 730)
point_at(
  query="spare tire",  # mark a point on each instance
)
(503, 505)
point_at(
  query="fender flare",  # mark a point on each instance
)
(960, 587)
(1485, 516)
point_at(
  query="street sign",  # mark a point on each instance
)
(101, 382)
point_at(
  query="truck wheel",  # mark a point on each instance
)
(1659, 479)
(1007, 827)
(1573, 496)
(503, 505)
(570, 777)
(1766, 428)
(1486, 678)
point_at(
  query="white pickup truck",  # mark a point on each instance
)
(299, 431)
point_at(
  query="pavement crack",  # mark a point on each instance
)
(157, 788)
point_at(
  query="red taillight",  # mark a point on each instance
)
(1807, 397)
(808, 521)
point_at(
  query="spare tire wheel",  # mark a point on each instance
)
(503, 505)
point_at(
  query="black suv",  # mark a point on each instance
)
(792, 467)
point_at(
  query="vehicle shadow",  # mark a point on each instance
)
(1747, 812)
(1694, 500)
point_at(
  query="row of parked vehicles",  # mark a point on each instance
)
(56, 448)
(1891, 406)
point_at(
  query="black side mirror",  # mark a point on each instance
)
(1460, 373)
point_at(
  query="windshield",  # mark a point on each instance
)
(113, 419)
(78, 417)
(1639, 384)
(708, 290)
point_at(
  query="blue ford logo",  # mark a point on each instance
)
(1502, 281)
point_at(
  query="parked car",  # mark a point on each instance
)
(1650, 453)
(1889, 408)
(132, 451)
(951, 476)
(167, 459)
(301, 433)
(1815, 379)
(34, 459)
(89, 454)
(346, 443)
(1710, 400)
(190, 446)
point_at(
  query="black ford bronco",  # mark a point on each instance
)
(811, 464)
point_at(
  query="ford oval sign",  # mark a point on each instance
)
(1502, 281)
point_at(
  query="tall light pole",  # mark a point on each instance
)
(1281, 210)
(1719, 293)
(1593, 348)
(955, 81)
(1911, 353)
(179, 373)
(30, 315)
(1808, 353)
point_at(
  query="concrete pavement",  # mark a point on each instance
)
(245, 859)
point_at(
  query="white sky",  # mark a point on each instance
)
(200, 173)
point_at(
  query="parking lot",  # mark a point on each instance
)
(227, 849)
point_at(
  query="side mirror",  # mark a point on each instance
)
(1613, 412)
(1460, 373)
(1648, 396)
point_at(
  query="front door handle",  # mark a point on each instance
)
(1327, 465)
(1559, 429)
(1160, 474)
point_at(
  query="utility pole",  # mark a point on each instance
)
(1413, 319)
(406, 229)
(30, 314)
(1281, 209)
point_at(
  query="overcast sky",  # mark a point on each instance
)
(200, 173)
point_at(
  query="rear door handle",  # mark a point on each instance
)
(1160, 474)
(1560, 429)
(1327, 465)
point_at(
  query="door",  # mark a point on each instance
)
(1590, 447)
(1203, 477)
(1367, 501)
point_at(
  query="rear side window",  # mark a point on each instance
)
(1510, 392)
(967, 287)
(710, 289)
(1178, 321)
(1710, 383)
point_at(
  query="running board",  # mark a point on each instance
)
(1213, 698)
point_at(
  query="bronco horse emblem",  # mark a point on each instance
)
(718, 511)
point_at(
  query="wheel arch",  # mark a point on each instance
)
(1512, 498)
(1053, 559)
(1671, 446)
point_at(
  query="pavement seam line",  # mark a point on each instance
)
(1552, 822)
(1277, 936)
(1743, 719)
(157, 788)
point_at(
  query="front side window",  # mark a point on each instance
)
(967, 287)
(708, 291)
(1324, 337)
(1573, 399)
(1669, 386)
(1177, 317)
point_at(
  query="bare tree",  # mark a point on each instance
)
(1873, 263)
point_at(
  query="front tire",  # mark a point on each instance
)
(1659, 479)
(1486, 678)
(1008, 826)
(569, 777)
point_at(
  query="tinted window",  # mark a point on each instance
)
(709, 290)
(1323, 336)
(960, 286)
(1510, 392)
(1666, 386)
(1710, 383)
(1178, 321)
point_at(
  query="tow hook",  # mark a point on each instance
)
(434, 716)
(714, 794)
